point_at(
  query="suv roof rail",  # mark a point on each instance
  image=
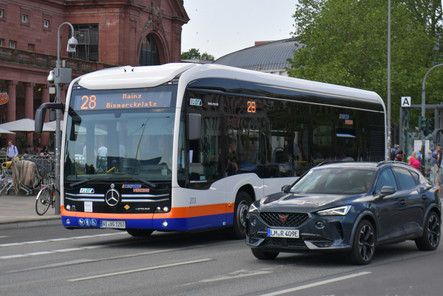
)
(390, 161)
(331, 161)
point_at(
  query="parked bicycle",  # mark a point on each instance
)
(6, 182)
(46, 195)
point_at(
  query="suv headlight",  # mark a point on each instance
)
(338, 211)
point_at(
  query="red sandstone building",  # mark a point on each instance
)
(109, 32)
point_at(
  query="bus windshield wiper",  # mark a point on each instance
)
(82, 182)
(150, 184)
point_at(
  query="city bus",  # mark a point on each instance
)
(181, 146)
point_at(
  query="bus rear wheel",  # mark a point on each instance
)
(242, 202)
(140, 232)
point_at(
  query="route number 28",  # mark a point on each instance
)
(251, 107)
(89, 102)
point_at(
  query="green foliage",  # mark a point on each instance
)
(194, 54)
(345, 42)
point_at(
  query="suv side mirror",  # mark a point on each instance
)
(387, 190)
(286, 188)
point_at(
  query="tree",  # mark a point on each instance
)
(345, 42)
(194, 54)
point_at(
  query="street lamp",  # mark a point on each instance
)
(60, 75)
(389, 81)
(422, 120)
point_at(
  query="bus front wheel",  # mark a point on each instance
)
(242, 202)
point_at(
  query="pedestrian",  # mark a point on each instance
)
(413, 161)
(399, 156)
(44, 152)
(394, 151)
(439, 175)
(435, 166)
(11, 151)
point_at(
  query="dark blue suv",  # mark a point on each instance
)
(349, 207)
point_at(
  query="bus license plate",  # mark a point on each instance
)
(284, 233)
(113, 224)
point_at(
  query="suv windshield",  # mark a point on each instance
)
(335, 181)
(128, 142)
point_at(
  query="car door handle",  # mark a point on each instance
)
(402, 202)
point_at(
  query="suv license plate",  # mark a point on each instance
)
(113, 224)
(285, 233)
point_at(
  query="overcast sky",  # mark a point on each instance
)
(221, 27)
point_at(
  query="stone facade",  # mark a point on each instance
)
(123, 30)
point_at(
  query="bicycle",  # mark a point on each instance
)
(6, 182)
(46, 196)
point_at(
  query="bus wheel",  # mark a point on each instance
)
(140, 232)
(242, 202)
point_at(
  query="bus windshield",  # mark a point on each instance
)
(119, 142)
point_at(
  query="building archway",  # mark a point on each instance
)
(149, 52)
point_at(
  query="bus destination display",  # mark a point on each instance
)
(122, 100)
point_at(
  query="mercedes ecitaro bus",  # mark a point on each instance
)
(181, 147)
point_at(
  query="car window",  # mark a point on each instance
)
(335, 181)
(416, 177)
(405, 179)
(386, 178)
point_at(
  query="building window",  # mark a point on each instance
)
(2, 13)
(149, 53)
(25, 18)
(46, 24)
(31, 47)
(2, 42)
(12, 43)
(87, 47)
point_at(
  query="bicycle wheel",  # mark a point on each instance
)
(43, 201)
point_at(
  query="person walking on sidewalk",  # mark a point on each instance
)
(11, 151)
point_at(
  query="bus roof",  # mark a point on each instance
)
(150, 76)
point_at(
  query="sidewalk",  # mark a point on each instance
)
(19, 211)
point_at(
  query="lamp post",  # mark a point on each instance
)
(389, 82)
(60, 75)
(423, 114)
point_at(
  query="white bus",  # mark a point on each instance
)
(181, 147)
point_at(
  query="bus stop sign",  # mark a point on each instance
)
(406, 101)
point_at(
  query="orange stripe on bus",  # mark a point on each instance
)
(183, 212)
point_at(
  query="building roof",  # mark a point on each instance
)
(267, 57)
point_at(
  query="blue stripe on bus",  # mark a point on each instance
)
(173, 224)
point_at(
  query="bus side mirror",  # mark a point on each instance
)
(194, 126)
(41, 112)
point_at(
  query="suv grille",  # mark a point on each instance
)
(284, 219)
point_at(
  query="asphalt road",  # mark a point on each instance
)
(51, 260)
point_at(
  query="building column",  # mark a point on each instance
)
(29, 109)
(45, 99)
(12, 104)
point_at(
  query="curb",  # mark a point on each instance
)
(30, 223)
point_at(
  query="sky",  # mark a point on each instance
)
(221, 27)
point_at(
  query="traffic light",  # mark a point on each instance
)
(428, 127)
(425, 125)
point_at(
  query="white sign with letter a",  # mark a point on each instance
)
(406, 101)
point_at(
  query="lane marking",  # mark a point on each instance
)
(40, 253)
(61, 239)
(87, 260)
(316, 284)
(237, 274)
(140, 270)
